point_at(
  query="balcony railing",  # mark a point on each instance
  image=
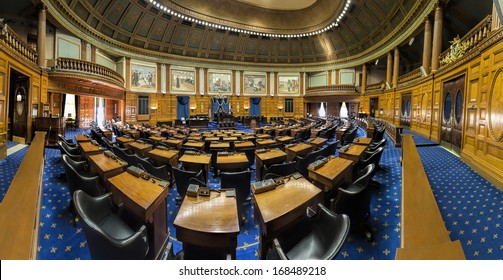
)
(468, 42)
(345, 89)
(376, 87)
(412, 75)
(83, 67)
(9, 39)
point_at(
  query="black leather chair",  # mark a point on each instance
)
(107, 235)
(375, 145)
(68, 141)
(373, 157)
(280, 169)
(160, 172)
(75, 155)
(321, 237)
(303, 162)
(75, 174)
(240, 181)
(329, 150)
(182, 181)
(250, 155)
(107, 143)
(354, 201)
(364, 175)
(124, 155)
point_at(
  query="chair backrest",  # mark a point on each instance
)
(365, 175)
(303, 163)
(63, 151)
(250, 155)
(67, 141)
(130, 159)
(76, 181)
(330, 149)
(108, 237)
(160, 172)
(353, 201)
(108, 144)
(182, 178)
(239, 181)
(374, 158)
(70, 150)
(332, 229)
(375, 145)
(281, 169)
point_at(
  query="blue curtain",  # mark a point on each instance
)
(183, 107)
(254, 106)
(220, 105)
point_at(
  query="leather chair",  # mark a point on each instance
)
(123, 154)
(375, 145)
(364, 175)
(250, 155)
(321, 237)
(354, 201)
(280, 169)
(373, 157)
(107, 235)
(77, 179)
(303, 162)
(160, 172)
(107, 143)
(70, 153)
(182, 181)
(240, 181)
(68, 141)
(330, 149)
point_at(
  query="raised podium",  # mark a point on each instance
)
(53, 127)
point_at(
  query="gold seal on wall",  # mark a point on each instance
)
(496, 106)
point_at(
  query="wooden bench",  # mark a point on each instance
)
(20, 209)
(423, 233)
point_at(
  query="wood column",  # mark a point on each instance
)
(93, 56)
(389, 68)
(42, 29)
(198, 80)
(437, 38)
(396, 68)
(364, 78)
(427, 46)
(83, 50)
(205, 82)
(242, 82)
(276, 89)
(168, 79)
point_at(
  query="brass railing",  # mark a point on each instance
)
(86, 67)
(9, 38)
(412, 75)
(332, 89)
(468, 42)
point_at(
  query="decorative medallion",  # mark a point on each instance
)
(496, 106)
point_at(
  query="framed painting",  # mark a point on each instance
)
(219, 82)
(183, 80)
(143, 77)
(254, 83)
(288, 84)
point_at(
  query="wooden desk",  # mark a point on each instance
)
(156, 138)
(333, 174)
(141, 149)
(146, 200)
(210, 222)
(248, 138)
(275, 210)
(180, 136)
(82, 138)
(123, 140)
(196, 145)
(175, 143)
(197, 162)
(211, 138)
(220, 146)
(354, 153)
(235, 162)
(284, 139)
(106, 167)
(264, 142)
(229, 139)
(362, 141)
(267, 158)
(339, 132)
(87, 149)
(197, 138)
(318, 142)
(108, 134)
(297, 150)
(263, 136)
(243, 145)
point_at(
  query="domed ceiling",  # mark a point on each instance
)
(139, 27)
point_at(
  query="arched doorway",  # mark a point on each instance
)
(453, 114)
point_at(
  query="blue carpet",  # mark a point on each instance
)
(420, 140)
(470, 206)
(11, 144)
(8, 168)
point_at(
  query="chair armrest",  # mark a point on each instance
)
(279, 250)
(199, 182)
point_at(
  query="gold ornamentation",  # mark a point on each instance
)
(457, 50)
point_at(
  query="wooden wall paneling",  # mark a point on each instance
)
(86, 111)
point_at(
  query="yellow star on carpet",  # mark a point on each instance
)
(53, 250)
(386, 252)
(60, 236)
(47, 236)
(345, 254)
(68, 248)
(359, 249)
(469, 242)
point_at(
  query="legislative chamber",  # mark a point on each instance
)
(251, 130)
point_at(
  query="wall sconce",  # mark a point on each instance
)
(153, 108)
(381, 111)
(19, 100)
(19, 97)
(246, 108)
(280, 108)
(192, 108)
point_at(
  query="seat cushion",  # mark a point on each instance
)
(115, 227)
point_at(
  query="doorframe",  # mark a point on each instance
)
(449, 146)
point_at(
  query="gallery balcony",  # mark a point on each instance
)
(68, 74)
(332, 90)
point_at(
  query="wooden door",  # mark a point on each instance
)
(374, 105)
(453, 113)
(86, 111)
(405, 110)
